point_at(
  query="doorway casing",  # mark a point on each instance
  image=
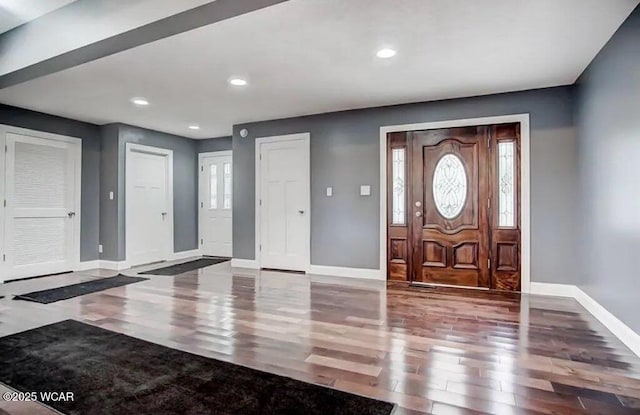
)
(525, 181)
(168, 154)
(77, 154)
(306, 138)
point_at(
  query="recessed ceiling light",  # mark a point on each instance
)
(238, 81)
(140, 101)
(194, 127)
(386, 53)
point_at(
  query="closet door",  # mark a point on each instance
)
(39, 216)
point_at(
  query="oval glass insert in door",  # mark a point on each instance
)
(449, 186)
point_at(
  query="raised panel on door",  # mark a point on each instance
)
(449, 209)
(216, 206)
(39, 216)
(284, 205)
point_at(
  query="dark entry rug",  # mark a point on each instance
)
(75, 290)
(111, 373)
(187, 266)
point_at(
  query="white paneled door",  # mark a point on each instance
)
(284, 203)
(216, 204)
(149, 213)
(40, 216)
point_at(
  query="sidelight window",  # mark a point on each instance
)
(449, 186)
(226, 202)
(399, 184)
(213, 186)
(506, 180)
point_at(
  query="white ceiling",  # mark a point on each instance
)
(13, 13)
(311, 56)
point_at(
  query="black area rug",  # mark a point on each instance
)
(111, 373)
(75, 290)
(187, 266)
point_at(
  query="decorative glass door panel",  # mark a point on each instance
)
(450, 239)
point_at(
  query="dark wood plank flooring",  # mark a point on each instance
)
(431, 351)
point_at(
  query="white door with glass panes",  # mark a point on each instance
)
(216, 200)
(41, 214)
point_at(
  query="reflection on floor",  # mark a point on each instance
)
(430, 351)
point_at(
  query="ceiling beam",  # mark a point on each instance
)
(209, 13)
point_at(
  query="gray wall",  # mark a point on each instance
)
(90, 135)
(345, 154)
(608, 101)
(214, 144)
(185, 187)
(109, 217)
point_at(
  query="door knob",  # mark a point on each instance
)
(71, 214)
(164, 214)
(301, 212)
(418, 204)
(418, 213)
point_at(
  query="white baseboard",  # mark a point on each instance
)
(556, 290)
(244, 263)
(185, 254)
(114, 265)
(363, 273)
(87, 265)
(623, 332)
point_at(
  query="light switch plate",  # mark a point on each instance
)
(365, 190)
(329, 191)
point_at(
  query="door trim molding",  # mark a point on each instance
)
(77, 152)
(306, 137)
(201, 157)
(139, 148)
(525, 181)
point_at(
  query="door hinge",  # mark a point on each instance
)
(201, 242)
(4, 258)
(489, 263)
(489, 203)
(260, 247)
(260, 156)
(5, 203)
(260, 202)
(201, 168)
(201, 204)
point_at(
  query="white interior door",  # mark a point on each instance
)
(284, 204)
(40, 216)
(216, 204)
(149, 216)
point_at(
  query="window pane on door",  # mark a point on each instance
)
(213, 186)
(226, 197)
(506, 179)
(398, 175)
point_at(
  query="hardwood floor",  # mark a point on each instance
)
(430, 351)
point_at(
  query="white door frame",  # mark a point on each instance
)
(77, 153)
(139, 148)
(306, 138)
(525, 182)
(201, 190)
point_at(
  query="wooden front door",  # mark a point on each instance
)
(453, 206)
(450, 228)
